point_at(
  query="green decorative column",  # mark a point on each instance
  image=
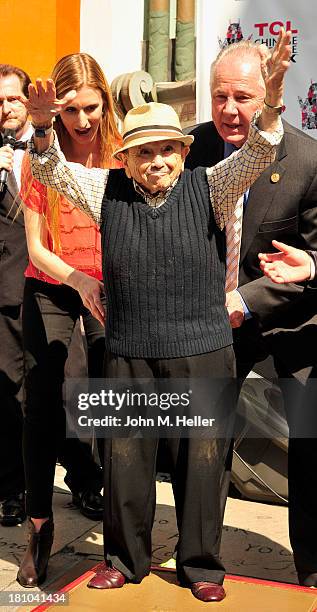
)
(158, 64)
(185, 41)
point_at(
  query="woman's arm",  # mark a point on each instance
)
(89, 288)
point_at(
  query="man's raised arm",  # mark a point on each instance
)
(229, 179)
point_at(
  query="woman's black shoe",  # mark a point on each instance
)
(32, 571)
(12, 510)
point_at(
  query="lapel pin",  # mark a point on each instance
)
(275, 177)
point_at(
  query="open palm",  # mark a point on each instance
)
(275, 66)
(289, 265)
(42, 103)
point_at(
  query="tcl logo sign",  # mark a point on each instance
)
(267, 33)
(274, 28)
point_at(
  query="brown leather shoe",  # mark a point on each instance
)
(33, 567)
(106, 578)
(208, 591)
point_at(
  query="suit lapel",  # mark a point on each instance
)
(261, 197)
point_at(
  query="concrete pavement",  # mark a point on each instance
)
(255, 542)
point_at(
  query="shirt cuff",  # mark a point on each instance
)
(313, 264)
(274, 138)
(247, 313)
(312, 269)
(53, 152)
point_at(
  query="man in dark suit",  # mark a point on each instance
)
(83, 476)
(275, 321)
(13, 261)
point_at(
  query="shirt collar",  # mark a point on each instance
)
(28, 134)
(157, 199)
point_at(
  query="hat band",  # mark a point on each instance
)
(152, 130)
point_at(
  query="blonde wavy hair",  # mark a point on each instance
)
(73, 71)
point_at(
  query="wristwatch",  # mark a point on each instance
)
(275, 110)
(41, 131)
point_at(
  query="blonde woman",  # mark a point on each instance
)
(63, 281)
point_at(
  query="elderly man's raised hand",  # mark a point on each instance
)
(274, 68)
(42, 104)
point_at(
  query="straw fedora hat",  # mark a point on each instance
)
(149, 123)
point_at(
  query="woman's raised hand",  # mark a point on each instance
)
(42, 103)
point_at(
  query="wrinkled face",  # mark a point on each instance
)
(82, 116)
(155, 165)
(237, 92)
(13, 114)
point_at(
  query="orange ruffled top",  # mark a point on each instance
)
(79, 235)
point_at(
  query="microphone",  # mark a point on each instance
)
(8, 138)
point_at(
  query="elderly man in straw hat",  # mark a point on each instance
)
(164, 274)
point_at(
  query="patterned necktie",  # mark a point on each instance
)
(233, 240)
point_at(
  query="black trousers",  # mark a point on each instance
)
(301, 407)
(49, 316)
(11, 376)
(292, 358)
(197, 471)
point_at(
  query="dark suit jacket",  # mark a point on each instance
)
(13, 249)
(285, 210)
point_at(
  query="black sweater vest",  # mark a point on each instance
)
(164, 271)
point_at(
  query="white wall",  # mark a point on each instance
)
(206, 49)
(111, 31)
